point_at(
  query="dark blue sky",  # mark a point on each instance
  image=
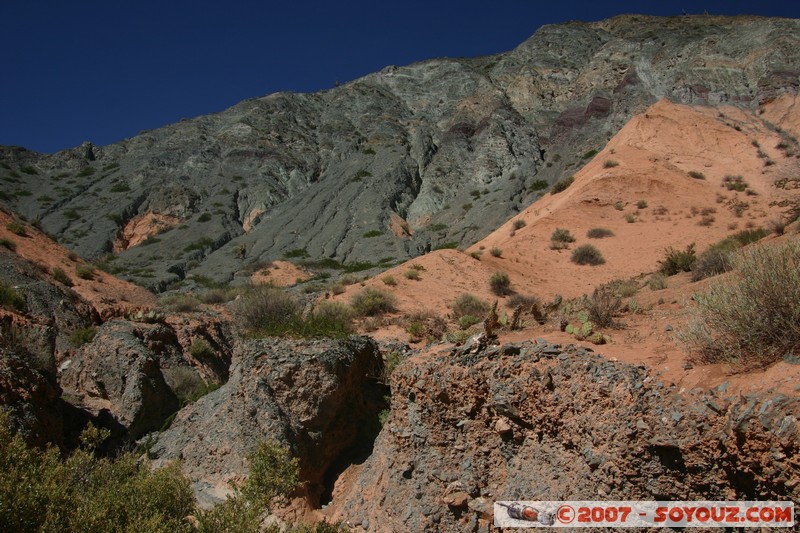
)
(103, 70)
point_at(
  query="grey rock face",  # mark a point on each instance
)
(435, 153)
(320, 398)
(524, 423)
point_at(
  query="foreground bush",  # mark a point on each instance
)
(716, 260)
(752, 318)
(41, 492)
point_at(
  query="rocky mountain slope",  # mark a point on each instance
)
(391, 165)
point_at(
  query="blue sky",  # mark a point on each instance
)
(101, 71)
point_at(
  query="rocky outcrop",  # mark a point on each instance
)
(536, 421)
(135, 375)
(453, 147)
(320, 398)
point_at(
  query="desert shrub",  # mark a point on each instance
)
(496, 252)
(749, 236)
(500, 283)
(120, 187)
(476, 254)
(561, 235)
(389, 280)
(16, 228)
(417, 266)
(372, 233)
(610, 163)
(60, 276)
(716, 260)
(619, 206)
(641, 204)
(624, 288)
(200, 349)
(273, 473)
(599, 233)
(219, 295)
(41, 491)
(411, 274)
(734, 183)
(630, 218)
(466, 321)
(371, 301)
(528, 303)
(562, 184)
(586, 254)
(697, 175)
(602, 306)
(9, 297)
(271, 311)
(676, 261)
(424, 325)
(753, 317)
(8, 244)
(180, 303)
(81, 336)
(657, 282)
(469, 304)
(706, 221)
(778, 226)
(518, 224)
(538, 185)
(84, 272)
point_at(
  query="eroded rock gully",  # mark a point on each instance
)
(539, 421)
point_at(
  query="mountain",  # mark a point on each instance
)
(394, 164)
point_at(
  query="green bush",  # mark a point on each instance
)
(180, 303)
(270, 311)
(734, 183)
(469, 304)
(60, 276)
(120, 187)
(753, 317)
(641, 204)
(16, 228)
(697, 175)
(84, 272)
(677, 261)
(389, 280)
(561, 235)
(586, 254)
(373, 233)
(411, 274)
(500, 283)
(8, 244)
(562, 184)
(372, 302)
(657, 282)
(599, 233)
(200, 349)
(538, 185)
(518, 224)
(603, 305)
(9, 297)
(41, 491)
(82, 336)
(716, 260)
(749, 236)
(610, 163)
(496, 252)
(467, 320)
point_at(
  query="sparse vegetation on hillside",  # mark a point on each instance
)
(9, 297)
(676, 261)
(734, 183)
(81, 336)
(60, 276)
(496, 252)
(16, 228)
(500, 283)
(599, 233)
(562, 235)
(562, 184)
(586, 254)
(371, 302)
(610, 163)
(469, 304)
(697, 175)
(269, 311)
(752, 318)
